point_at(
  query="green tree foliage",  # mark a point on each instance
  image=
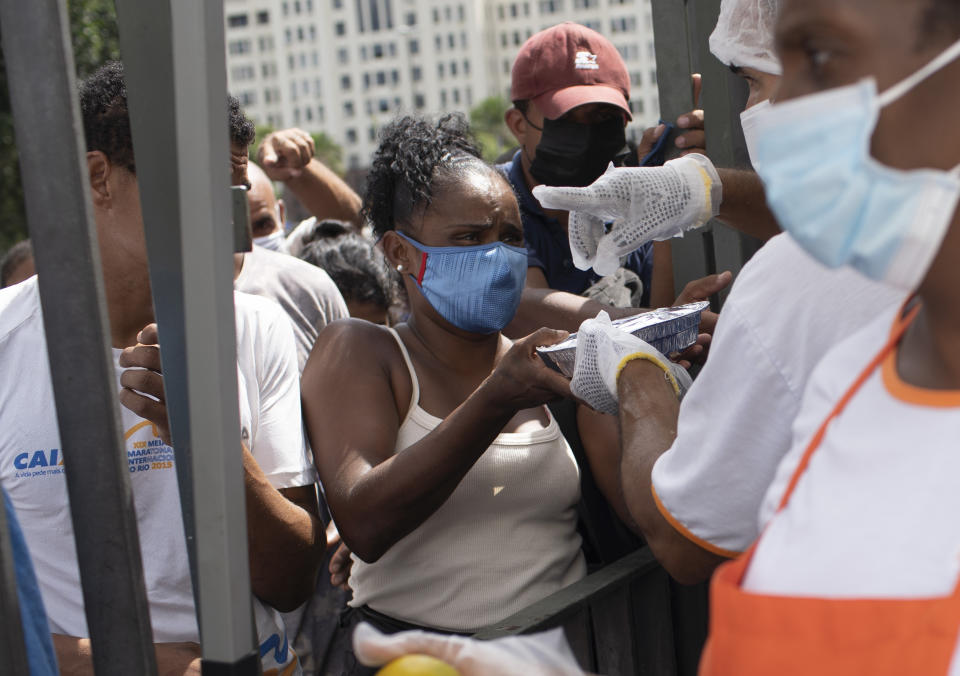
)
(93, 29)
(486, 119)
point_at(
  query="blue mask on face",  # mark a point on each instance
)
(838, 202)
(475, 288)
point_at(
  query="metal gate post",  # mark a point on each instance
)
(174, 59)
(681, 32)
(52, 159)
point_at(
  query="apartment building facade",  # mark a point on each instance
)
(345, 67)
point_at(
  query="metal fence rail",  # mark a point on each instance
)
(626, 619)
(174, 56)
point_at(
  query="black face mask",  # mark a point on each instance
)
(575, 155)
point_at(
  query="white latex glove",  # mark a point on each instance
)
(602, 352)
(642, 203)
(546, 654)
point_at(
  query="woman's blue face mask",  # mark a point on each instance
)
(475, 288)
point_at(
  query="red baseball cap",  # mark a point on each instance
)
(567, 66)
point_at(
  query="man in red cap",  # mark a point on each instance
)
(570, 90)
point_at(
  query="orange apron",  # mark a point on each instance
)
(754, 634)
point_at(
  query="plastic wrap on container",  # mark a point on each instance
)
(672, 329)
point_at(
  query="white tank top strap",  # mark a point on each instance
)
(415, 389)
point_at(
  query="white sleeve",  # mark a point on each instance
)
(278, 443)
(733, 431)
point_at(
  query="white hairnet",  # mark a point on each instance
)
(744, 35)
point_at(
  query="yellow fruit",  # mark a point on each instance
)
(418, 665)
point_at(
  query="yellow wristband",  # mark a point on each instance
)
(672, 379)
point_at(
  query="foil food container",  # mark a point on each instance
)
(671, 329)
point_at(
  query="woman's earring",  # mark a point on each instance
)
(399, 268)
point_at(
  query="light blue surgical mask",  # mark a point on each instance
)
(275, 241)
(837, 201)
(475, 288)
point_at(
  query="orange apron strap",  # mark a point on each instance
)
(895, 335)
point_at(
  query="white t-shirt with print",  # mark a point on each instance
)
(784, 313)
(875, 513)
(31, 464)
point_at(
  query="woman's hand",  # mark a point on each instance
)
(521, 379)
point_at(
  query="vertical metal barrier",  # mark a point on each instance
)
(52, 160)
(681, 32)
(13, 653)
(174, 60)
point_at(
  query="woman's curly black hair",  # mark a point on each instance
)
(405, 166)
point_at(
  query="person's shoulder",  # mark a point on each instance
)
(352, 342)
(355, 332)
(289, 269)
(843, 362)
(255, 308)
(18, 305)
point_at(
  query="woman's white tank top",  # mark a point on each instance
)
(504, 539)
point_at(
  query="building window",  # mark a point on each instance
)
(296, 6)
(636, 79)
(461, 13)
(340, 28)
(351, 135)
(381, 78)
(338, 4)
(378, 51)
(443, 98)
(441, 70)
(263, 18)
(395, 77)
(438, 42)
(372, 134)
(308, 113)
(451, 41)
(392, 49)
(383, 106)
(343, 55)
(456, 96)
(414, 46)
(453, 69)
(345, 83)
(237, 20)
(363, 52)
(410, 19)
(418, 101)
(348, 110)
(466, 67)
(366, 81)
(436, 15)
(239, 47)
(416, 73)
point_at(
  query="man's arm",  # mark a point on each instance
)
(744, 206)
(288, 156)
(648, 426)
(75, 657)
(286, 538)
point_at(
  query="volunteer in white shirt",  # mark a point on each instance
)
(784, 312)
(856, 570)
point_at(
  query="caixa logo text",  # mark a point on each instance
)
(50, 458)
